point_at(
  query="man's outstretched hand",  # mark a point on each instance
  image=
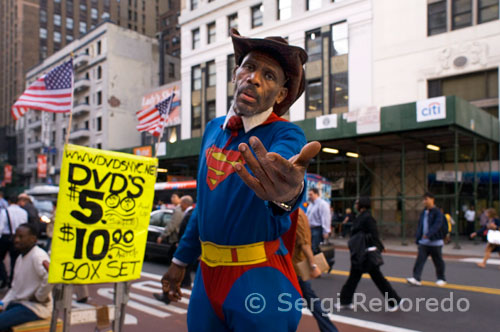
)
(275, 178)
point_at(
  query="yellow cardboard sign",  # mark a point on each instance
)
(102, 217)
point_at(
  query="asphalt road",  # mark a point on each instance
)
(470, 300)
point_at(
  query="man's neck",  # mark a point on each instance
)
(24, 253)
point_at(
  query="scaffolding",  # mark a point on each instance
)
(395, 166)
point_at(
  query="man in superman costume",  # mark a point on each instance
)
(241, 226)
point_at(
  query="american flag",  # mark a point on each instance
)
(152, 119)
(50, 93)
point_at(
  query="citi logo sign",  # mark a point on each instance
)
(431, 109)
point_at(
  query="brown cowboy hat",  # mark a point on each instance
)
(292, 59)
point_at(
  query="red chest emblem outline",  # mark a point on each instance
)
(220, 164)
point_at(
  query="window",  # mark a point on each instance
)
(69, 7)
(83, 7)
(83, 27)
(99, 123)
(232, 22)
(210, 111)
(284, 9)
(69, 23)
(99, 72)
(212, 73)
(211, 32)
(98, 146)
(57, 20)
(230, 67)
(196, 38)
(445, 15)
(487, 11)
(340, 41)
(194, 4)
(461, 14)
(340, 89)
(436, 17)
(196, 78)
(313, 4)
(57, 37)
(339, 69)
(196, 117)
(43, 16)
(99, 97)
(257, 15)
(87, 124)
(313, 45)
(480, 86)
(69, 38)
(314, 96)
(171, 70)
(93, 13)
(99, 47)
(43, 33)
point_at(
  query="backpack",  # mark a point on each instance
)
(444, 230)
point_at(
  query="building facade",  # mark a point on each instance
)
(106, 97)
(444, 47)
(336, 34)
(32, 30)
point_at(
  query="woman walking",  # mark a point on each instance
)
(366, 247)
(493, 223)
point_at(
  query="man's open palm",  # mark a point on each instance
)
(275, 178)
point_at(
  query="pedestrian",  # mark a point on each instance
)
(301, 252)
(318, 213)
(347, 222)
(470, 216)
(3, 202)
(187, 206)
(239, 225)
(175, 200)
(492, 224)
(10, 219)
(25, 202)
(30, 297)
(429, 238)
(170, 233)
(364, 231)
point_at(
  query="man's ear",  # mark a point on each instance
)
(234, 73)
(281, 95)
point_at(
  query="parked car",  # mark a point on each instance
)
(159, 219)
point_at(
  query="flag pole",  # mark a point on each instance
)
(68, 132)
(163, 126)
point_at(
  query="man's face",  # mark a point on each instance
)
(311, 196)
(428, 202)
(21, 202)
(175, 199)
(24, 240)
(258, 84)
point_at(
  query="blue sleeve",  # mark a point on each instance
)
(287, 142)
(189, 248)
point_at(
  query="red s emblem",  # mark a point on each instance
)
(220, 164)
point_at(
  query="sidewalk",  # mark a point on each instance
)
(395, 246)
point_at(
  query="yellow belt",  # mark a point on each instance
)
(214, 254)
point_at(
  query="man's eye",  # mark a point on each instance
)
(248, 66)
(270, 77)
